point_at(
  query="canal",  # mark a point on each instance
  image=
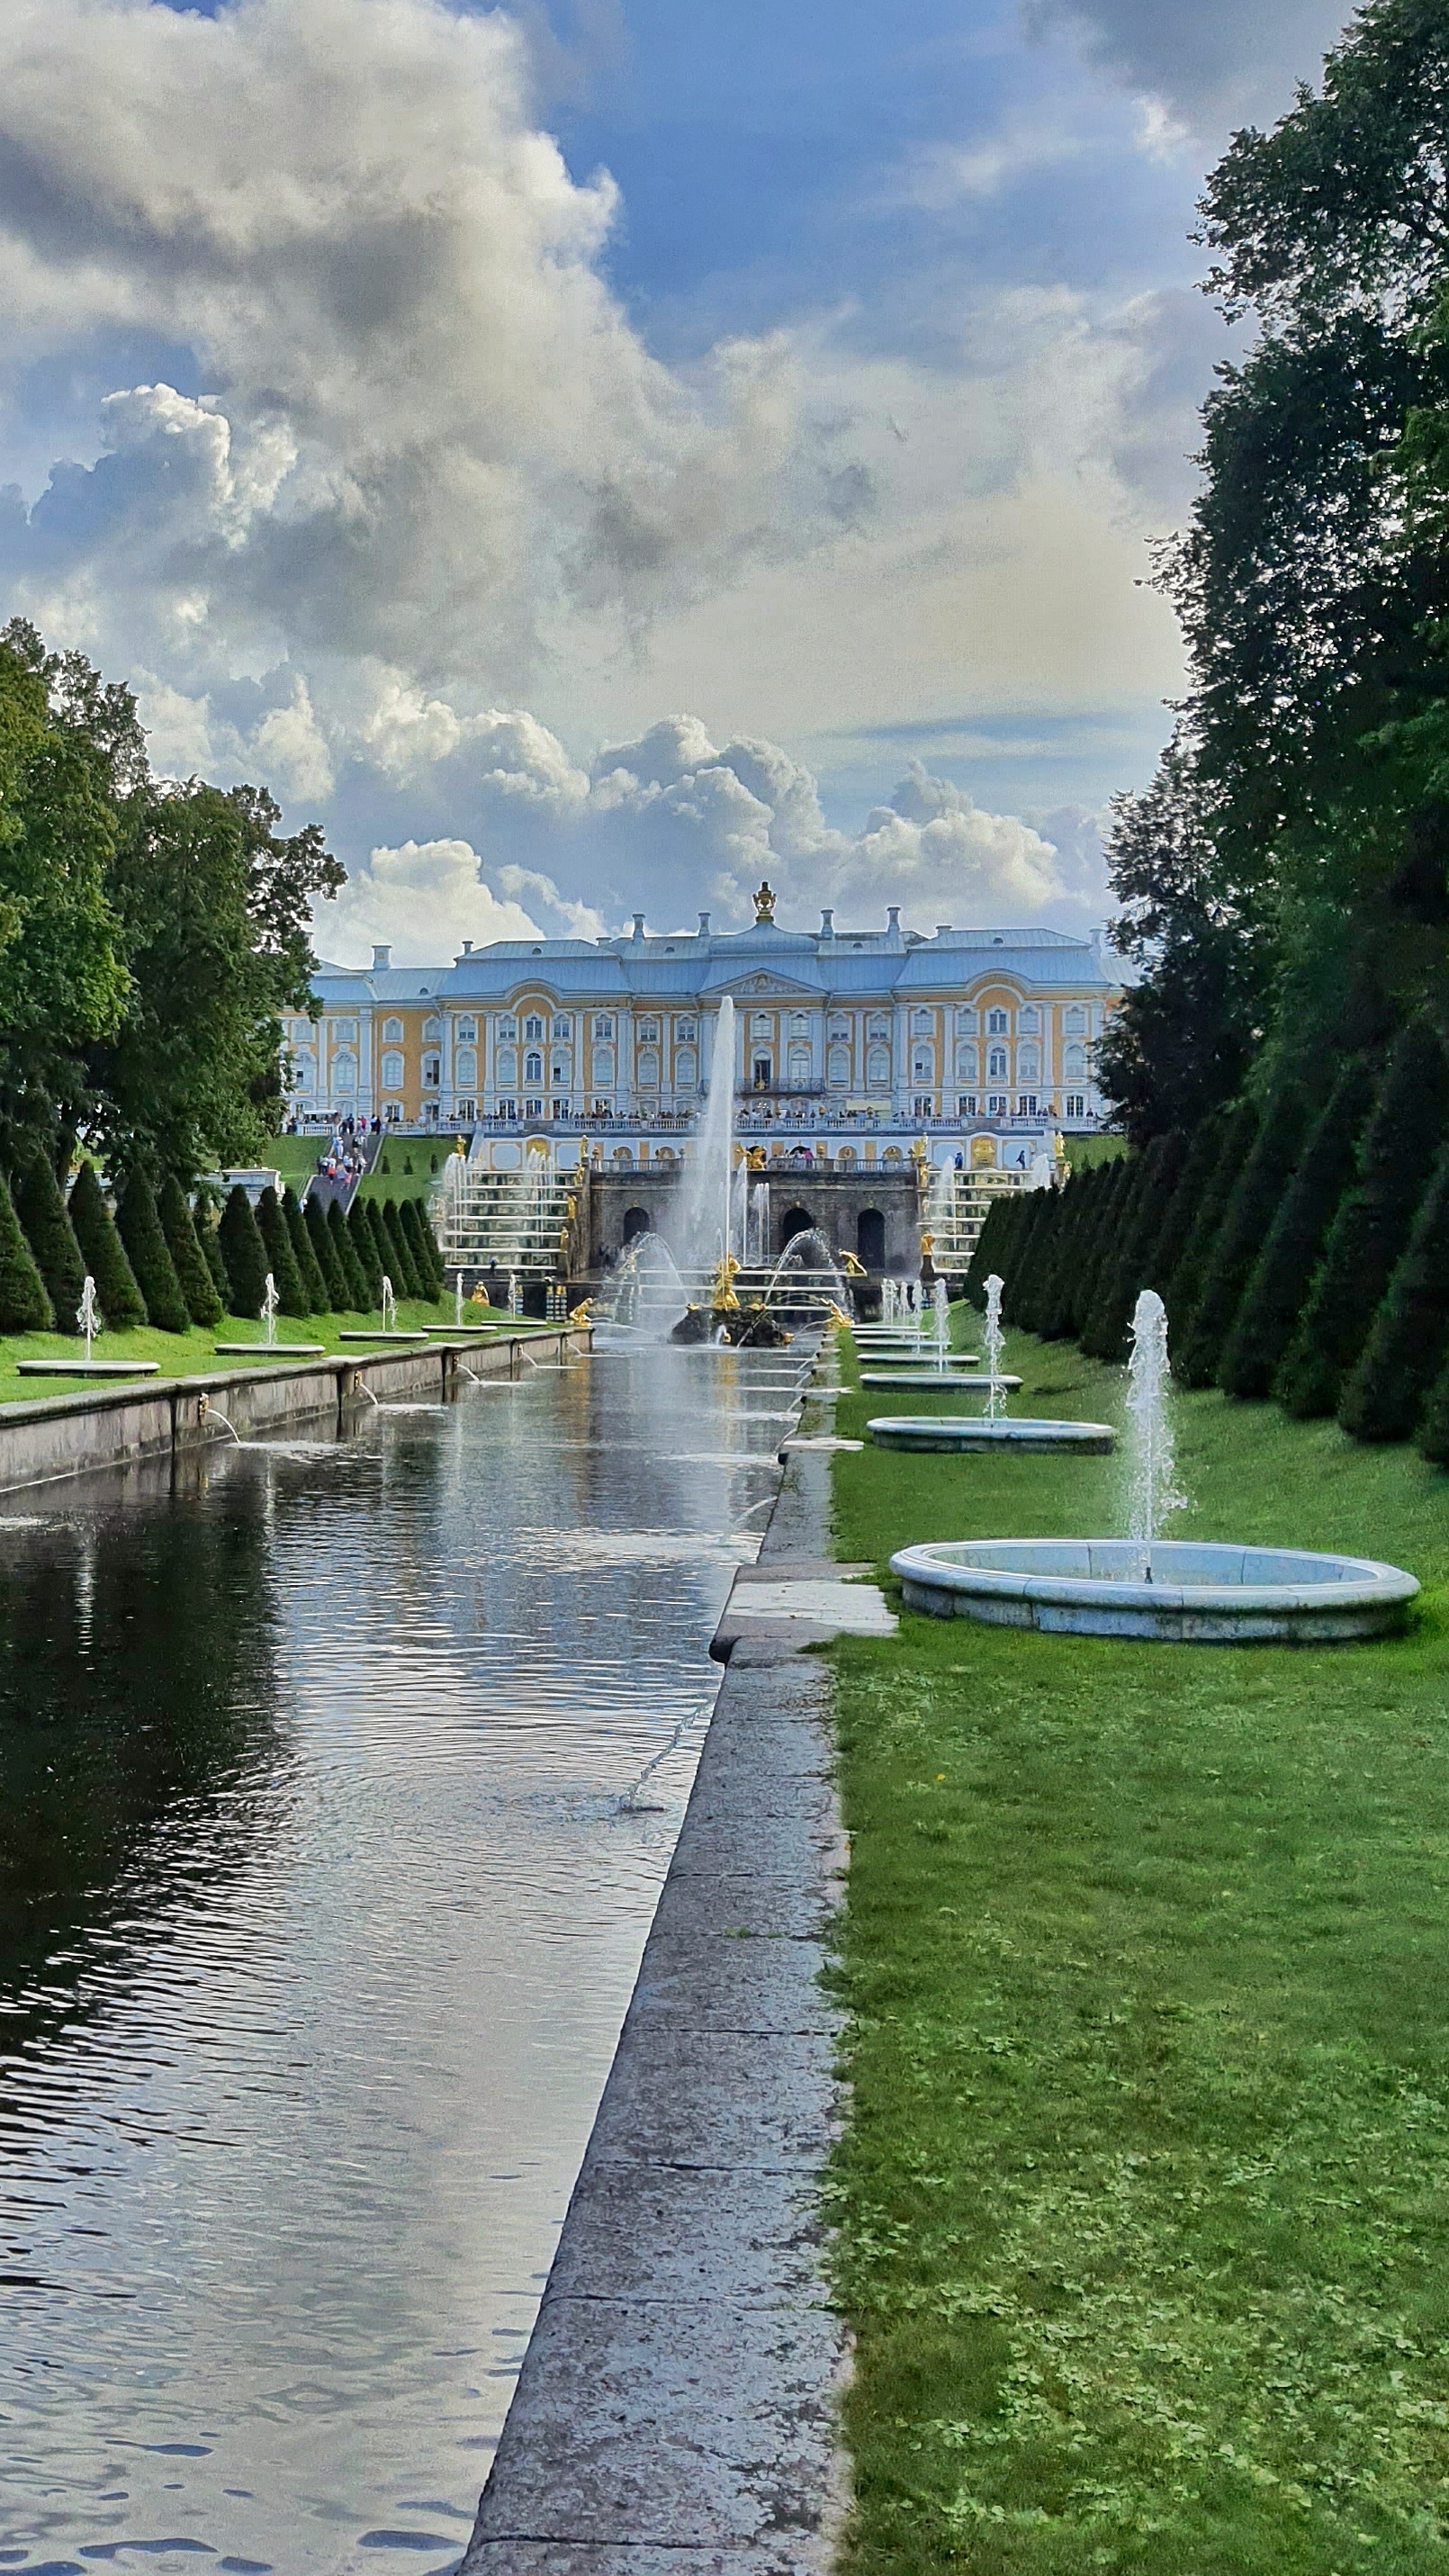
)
(319, 1912)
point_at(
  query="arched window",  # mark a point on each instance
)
(760, 1024)
(799, 1067)
(432, 1032)
(845, 1159)
(922, 1023)
(996, 1064)
(967, 1023)
(603, 1064)
(1028, 1064)
(623, 1158)
(344, 1072)
(508, 1064)
(466, 1032)
(1029, 1020)
(923, 1065)
(563, 1070)
(533, 1026)
(392, 1072)
(838, 1068)
(965, 1062)
(392, 1032)
(603, 1028)
(996, 1024)
(870, 1238)
(465, 1065)
(533, 1067)
(1074, 1064)
(799, 1025)
(686, 1068)
(878, 1066)
(649, 1068)
(507, 1028)
(1075, 1022)
(563, 1026)
(684, 1032)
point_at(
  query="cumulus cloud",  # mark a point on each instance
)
(1232, 63)
(674, 815)
(425, 420)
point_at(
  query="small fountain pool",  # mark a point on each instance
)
(1177, 1591)
(993, 1429)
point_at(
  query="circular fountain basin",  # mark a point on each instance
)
(974, 1431)
(270, 1350)
(932, 1377)
(1200, 1594)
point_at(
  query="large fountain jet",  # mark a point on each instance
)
(702, 1227)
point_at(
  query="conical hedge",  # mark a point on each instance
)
(404, 1269)
(991, 1246)
(24, 1305)
(1195, 1176)
(324, 1253)
(51, 1237)
(1066, 1243)
(139, 1227)
(1408, 1340)
(281, 1259)
(369, 1260)
(203, 1217)
(198, 1288)
(1372, 1226)
(1236, 1133)
(423, 1245)
(314, 1286)
(1121, 1283)
(1278, 1285)
(1434, 1423)
(1252, 1203)
(1103, 1245)
(103, 1253)
(354, 1277)
(244, 1253)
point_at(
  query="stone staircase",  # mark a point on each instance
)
(513, 1220)
(958, 1209)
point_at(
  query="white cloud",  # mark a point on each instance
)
(423, 900)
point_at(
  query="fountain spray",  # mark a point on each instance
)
(995, 1392)
(270, 1303)
(389, 1305)
(88, 1313)
(1153, 1493)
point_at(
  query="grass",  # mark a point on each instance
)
(190, 1354)
(1143, 2210)
(295, 1157)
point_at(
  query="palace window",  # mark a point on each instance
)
(344, 1073)
(648, 1068)
(533, 1068)
(1074, 1064)
(507, 1028)
(922, 1023)
(392, 1072)
(996, 1064)
(393, 1112)
(923, 1065)
(1075, 1105)
(392, 1032)
(465, 1065)
(563, 1027)
(799, 1025)
(966, 1105)
(967, 1023)
(432, 1032)
(965, 1061)
(761, 1024)
(838, 1068)
(533, 1109)
(1029, 1020)
(432, 1069)
(508, 1109)
(996, 1104)
(878, 1027)
(603, 1064)
(1026, 1104)
(686, 1067)
(799, 1067)
(923, 1106)
(840, 1029)
(648, 1033)
(466, 1032)
(684, 1031)
(763, 1073)
(507, 1064)
(1075, 1022)
(603, 1028)
(533, 1026)
(1028, 1064)
(562, 1073)
(878, 1067)
(996, 1024)
(344, 1032)
(467, 1110)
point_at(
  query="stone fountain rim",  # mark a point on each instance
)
(967, 1430)
(938, 1574)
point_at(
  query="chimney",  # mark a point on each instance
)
(638, 925)
(467, 947)
(827, 925)
(381, 960)
(704, 925)
(942, 927)
(893, 921)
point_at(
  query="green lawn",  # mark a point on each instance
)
(187, 1354)
(1143, 2212)
(295, 1157)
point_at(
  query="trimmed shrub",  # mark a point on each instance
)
(203, 1217)
(139, 1228)
(244, 1254)
(354, 1277)
(198, 1288)
(402, 1266)
(1409, 1337)
(1080, 1209)
(103, 1253)
(1198, 1165)
(314, 1286)
(1273, 1299)
(1371, 1227)
(423, 1244)
(281, 1259)
(51, 1237)
(1252, 1203)
(1097, 1249)
(24, 1305)
(991, 1249)
(1035, 1249)
(1104, 1336)
(1236, 1132)
(365, 1252)
(324, 1253)
(1434, 1426)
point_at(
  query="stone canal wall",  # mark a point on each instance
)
(111, 1426)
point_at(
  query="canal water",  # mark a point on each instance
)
(319, 1913)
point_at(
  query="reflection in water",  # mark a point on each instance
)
(318, 1916)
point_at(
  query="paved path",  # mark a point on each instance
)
(675, 2409)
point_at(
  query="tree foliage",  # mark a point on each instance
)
(103, 1252)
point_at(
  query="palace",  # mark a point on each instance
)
(846, 1041)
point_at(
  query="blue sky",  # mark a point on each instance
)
(588, 455)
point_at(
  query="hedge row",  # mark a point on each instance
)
(161, 1262)
(1301, 1248)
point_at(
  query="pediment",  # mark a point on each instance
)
(761, 986)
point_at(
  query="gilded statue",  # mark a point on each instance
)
(765, 901)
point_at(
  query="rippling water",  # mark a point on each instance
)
(318, 1917)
